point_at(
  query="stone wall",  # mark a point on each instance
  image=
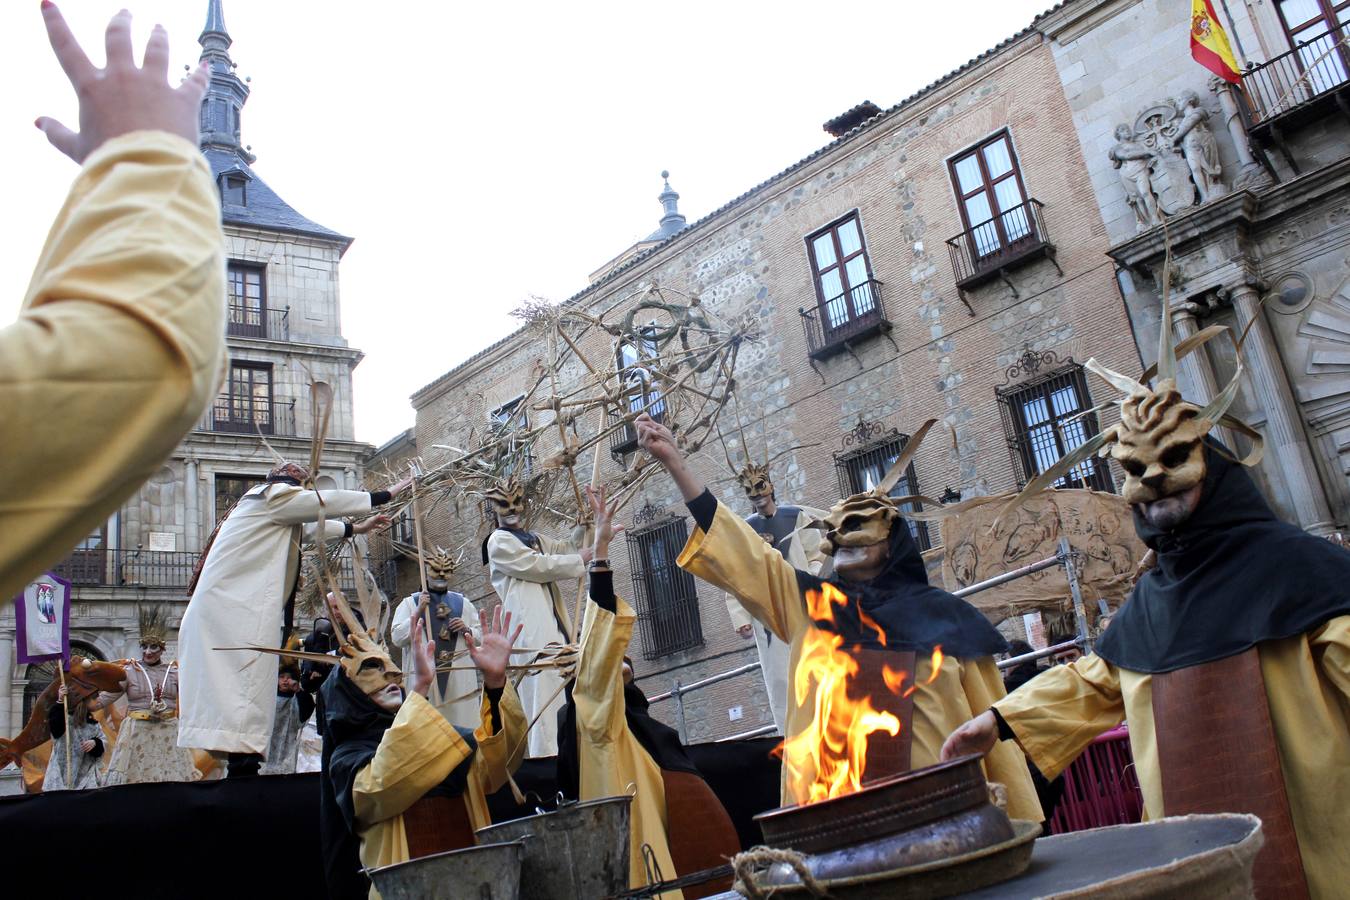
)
(749, 263)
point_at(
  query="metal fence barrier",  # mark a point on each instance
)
(1065, 556)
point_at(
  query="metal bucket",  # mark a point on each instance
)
(486, 872)
(578, 852)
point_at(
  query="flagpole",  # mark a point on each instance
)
(65, 704)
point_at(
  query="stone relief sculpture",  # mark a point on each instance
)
(1168, 160)
(1199, 148)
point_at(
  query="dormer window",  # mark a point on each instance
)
(234, 188)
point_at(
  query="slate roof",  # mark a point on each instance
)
(265, 209)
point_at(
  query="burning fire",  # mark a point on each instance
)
(828, 758)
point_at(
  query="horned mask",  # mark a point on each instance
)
(755, 481)
(364, 659)
(440, 566)
(866, 517)
(507, 498)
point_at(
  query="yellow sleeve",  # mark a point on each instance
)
(983, 686)
(732, 556)
(598, 691)
(416, 753)
(508, 555)
(1057, 714)
(1331, 643)
(500, 754)
(118, 347)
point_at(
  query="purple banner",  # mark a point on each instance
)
(42, 614)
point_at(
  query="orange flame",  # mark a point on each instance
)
(827, 758)
(894, 678)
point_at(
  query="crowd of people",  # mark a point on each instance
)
(1232, 651)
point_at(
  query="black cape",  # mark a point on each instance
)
(914, 614)
(353, 727)
(661, 742)
(1230, 577)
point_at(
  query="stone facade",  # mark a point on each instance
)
(146, 551)
(749, 262)
(1271, 250)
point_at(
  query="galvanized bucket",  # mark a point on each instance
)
(578, 852)
(485, 872)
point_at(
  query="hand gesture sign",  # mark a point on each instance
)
(121, 98)
(492, 654)
(605, 529)
(423, 658)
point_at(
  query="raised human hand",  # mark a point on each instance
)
(603, 513)
(424, 658)
(374, 522)
(492, 655)
(658, 440)
(121, 98)
(979, 735)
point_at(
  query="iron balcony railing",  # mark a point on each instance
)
(249, 415)
(624, 439)
(259, 322)
(832, 326)
(1314, 68)
(128, 568)
(1009, 239)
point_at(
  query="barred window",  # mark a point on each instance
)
(1044, 418)
(862, 470)
(667, 600)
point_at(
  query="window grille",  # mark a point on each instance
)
(667, 600)
(1043, 419)
(862, 468)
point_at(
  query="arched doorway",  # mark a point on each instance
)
(39, 675)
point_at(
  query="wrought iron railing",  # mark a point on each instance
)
(259, 322)
(1012, 237)
(1312, 69)
(667, 598)
(249, 415)
(128, 568)
(1047, 415)
(624, 438)
(853, 315)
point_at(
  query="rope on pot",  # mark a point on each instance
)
(745, 864)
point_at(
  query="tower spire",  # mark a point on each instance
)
(672, 222)
(226, 94)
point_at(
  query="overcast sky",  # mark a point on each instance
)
(482, 153)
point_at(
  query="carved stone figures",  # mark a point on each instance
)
(1168, 160)
(1199, 147)
(1134, 161)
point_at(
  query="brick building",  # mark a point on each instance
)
(945, 257)
(283, 329)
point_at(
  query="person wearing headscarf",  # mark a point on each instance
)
(119, 343)
(609, 744)
(398, 780)
(241, 595)
(880, 610)
(788, 530)
(527, 570)
(86, 757)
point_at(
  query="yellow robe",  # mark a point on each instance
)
(609, 757)
(118, 347)
(1058, 713)
(417, 753)
(733, 557)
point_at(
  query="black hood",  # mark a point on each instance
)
(1228, 578)
(353, 726)
(914, 614)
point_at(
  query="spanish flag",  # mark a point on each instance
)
(1209, 42)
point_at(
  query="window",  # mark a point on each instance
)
(640, 391)
(233, 190)
(516, 456)
(1318, 25)
(862, 470)
(992, 198)
(248, 399)
(667, 601)
(87, 563)
(510, 416)
(247, 300)
(229, 488)
(1042, 420)
(405, 529)
(843, 274)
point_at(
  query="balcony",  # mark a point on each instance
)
(995, 247)
(840, 322)
(624, 439)
(244, 415)
(127, 568)
(1298, 87)
(255, 322)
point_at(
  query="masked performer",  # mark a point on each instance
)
(454, 693)
(527, 570)
(1231, 658)
(608, 741)
(878, 604)
(86, 756)
(399, 781)
(146, 748)
(241, 596)
(786, 529)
